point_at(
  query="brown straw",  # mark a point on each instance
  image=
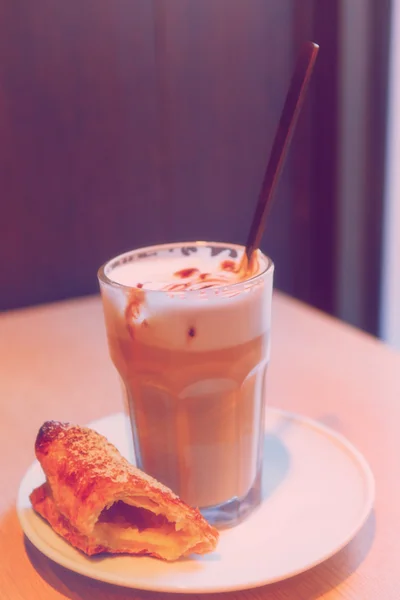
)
(294, 101)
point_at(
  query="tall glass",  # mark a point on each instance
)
(193, 366)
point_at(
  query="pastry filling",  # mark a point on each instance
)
(138, 529)
(124, 515)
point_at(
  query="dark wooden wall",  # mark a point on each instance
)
(131, 122)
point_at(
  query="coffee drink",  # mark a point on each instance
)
(189, 337)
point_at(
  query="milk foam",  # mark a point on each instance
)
(202, 320)
(159, 271)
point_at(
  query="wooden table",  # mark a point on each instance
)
(54, 365)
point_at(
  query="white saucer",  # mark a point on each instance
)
(318, 489)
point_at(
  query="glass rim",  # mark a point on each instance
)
(103, 277)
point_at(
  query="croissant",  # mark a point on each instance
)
(96, 500)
